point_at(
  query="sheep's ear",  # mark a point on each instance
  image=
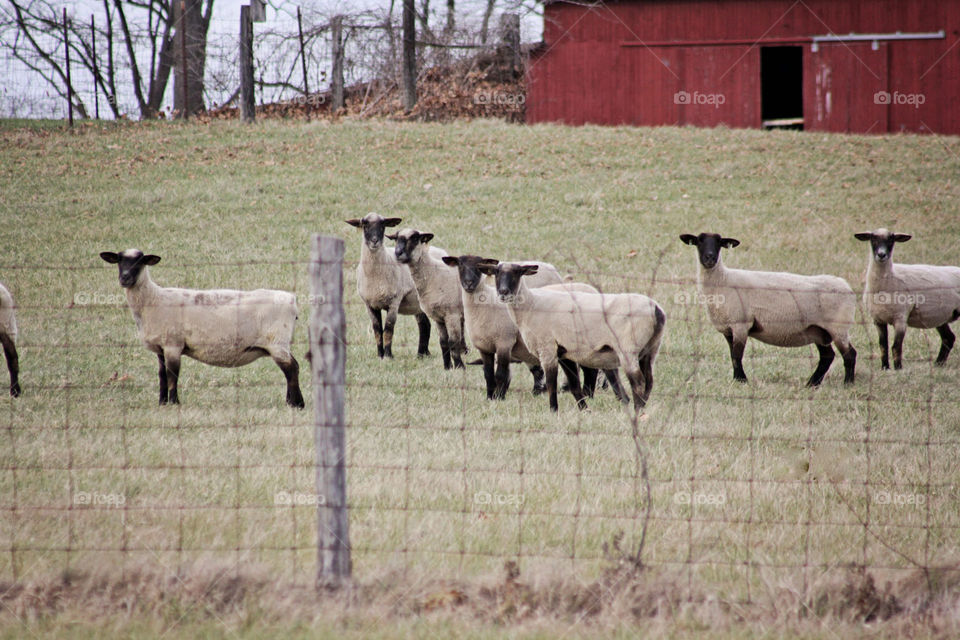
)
(110, 256)
(391, 236)
(529, 269)
(355, 222)
(729, 242)
(391, 222)
(450, 261)
(864, 236)
(150, 260)
(689, 238)
(901, 237)
(487, 268)
(425, 237)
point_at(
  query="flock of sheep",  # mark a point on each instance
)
(526, 312)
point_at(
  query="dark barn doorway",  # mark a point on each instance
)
(781, 87)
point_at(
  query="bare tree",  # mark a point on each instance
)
(32, 30)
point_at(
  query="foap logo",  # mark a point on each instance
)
(500, 499)
(911, 99)
(697, 98)
(97, 499)
(87, 298)
(684, 298)
(297, 499)
(698, 498)
(898, 298)
(500, 98)
(900, 499)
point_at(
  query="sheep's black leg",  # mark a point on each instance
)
(589, 381)
(736, 355)
(13, 363)
(376, 322)
(538, 384)
(488, 376)
(898, 334)
(646, 369)
(612, 379)
(388, 326)
(163, 379)
(423, 324)
(826, 359)
(172, 361)
(573, 380)
(550, 376)
(444, 344)
(946, 343)
(849, 365)
(457, 347)
(884, 355)
(291, 370)
(502, 376)
(637, 384)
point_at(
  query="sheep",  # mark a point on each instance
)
(782, 309)
(385, 285)
(8, 337)
(602, 331)
(437, 289)
(908, 295)
(495, 335)
(220, 327)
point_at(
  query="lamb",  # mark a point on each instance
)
(437, 289)
(385, 285)
(494, 333)
(782, 309)
(220, 327)
(602, 331)
(908, 295)
(8, 337)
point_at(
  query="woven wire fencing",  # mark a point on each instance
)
(750, 490)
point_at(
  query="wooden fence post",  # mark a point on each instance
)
(248, 108)
(408, 61)
(66, 48)
(336, 83)
(510, 44)
(328, 371)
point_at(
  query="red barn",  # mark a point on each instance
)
(863, 66)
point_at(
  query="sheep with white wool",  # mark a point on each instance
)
(495, 334)
(386, 285)
(782, 309)
(601, 331)
(220, 327)
(437, 289)
(8, 338)
(908, 295)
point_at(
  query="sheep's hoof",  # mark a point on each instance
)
(423, 354)
(15, 390)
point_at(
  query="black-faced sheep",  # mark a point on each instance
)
(221, 327)
(782, 309)
(908, 295)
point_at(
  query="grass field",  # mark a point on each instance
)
(763, 495)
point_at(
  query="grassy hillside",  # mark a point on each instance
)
(790, 486)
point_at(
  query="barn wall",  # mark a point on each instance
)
(614, 63)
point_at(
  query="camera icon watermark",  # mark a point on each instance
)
(900, 499)
(698, 498)
(697, 98)
(499, 499)
(900, 298)
(897, 98)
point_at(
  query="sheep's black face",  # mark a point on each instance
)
(508, 279)
(407, 240)
(881, 243)
(131, 263)
(468, 268)
(708, 247)
(374, 227)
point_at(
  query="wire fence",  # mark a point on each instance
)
(293, 59)
(751, 490)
